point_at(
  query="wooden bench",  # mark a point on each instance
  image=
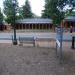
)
(27, 40)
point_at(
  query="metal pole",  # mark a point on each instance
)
(14, 26)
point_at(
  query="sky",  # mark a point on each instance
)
(36, 5)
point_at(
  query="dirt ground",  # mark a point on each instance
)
(40, 60)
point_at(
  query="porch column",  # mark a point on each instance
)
(42, 26)
(50, 26)
(39, 26)
(25, 26)
(22, 26)
(35, 26)
(18, 26)
(46, 26)
(32, 26)
(28, 26)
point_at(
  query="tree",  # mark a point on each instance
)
(71, 8)
(9, 10)
(26, 10)
(69, 12)
(20, 13)
(55, 9)
(1, 17)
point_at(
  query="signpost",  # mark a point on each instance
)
(59, 37)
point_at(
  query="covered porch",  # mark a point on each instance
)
(34, 24)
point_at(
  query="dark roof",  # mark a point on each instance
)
(34, 20)
(70, 18)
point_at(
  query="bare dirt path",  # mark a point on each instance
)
(18, 60)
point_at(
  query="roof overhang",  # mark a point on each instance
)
(34, 21)
(69, 18)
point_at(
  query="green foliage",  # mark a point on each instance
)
(71, 8)
(20, 16)
(9, 10)
(1, 17)
(55, 9)
(72, 13)
(26, 10)
(69, 12)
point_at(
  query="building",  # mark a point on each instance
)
(34, 23)
(2, 27)
(69, 21)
